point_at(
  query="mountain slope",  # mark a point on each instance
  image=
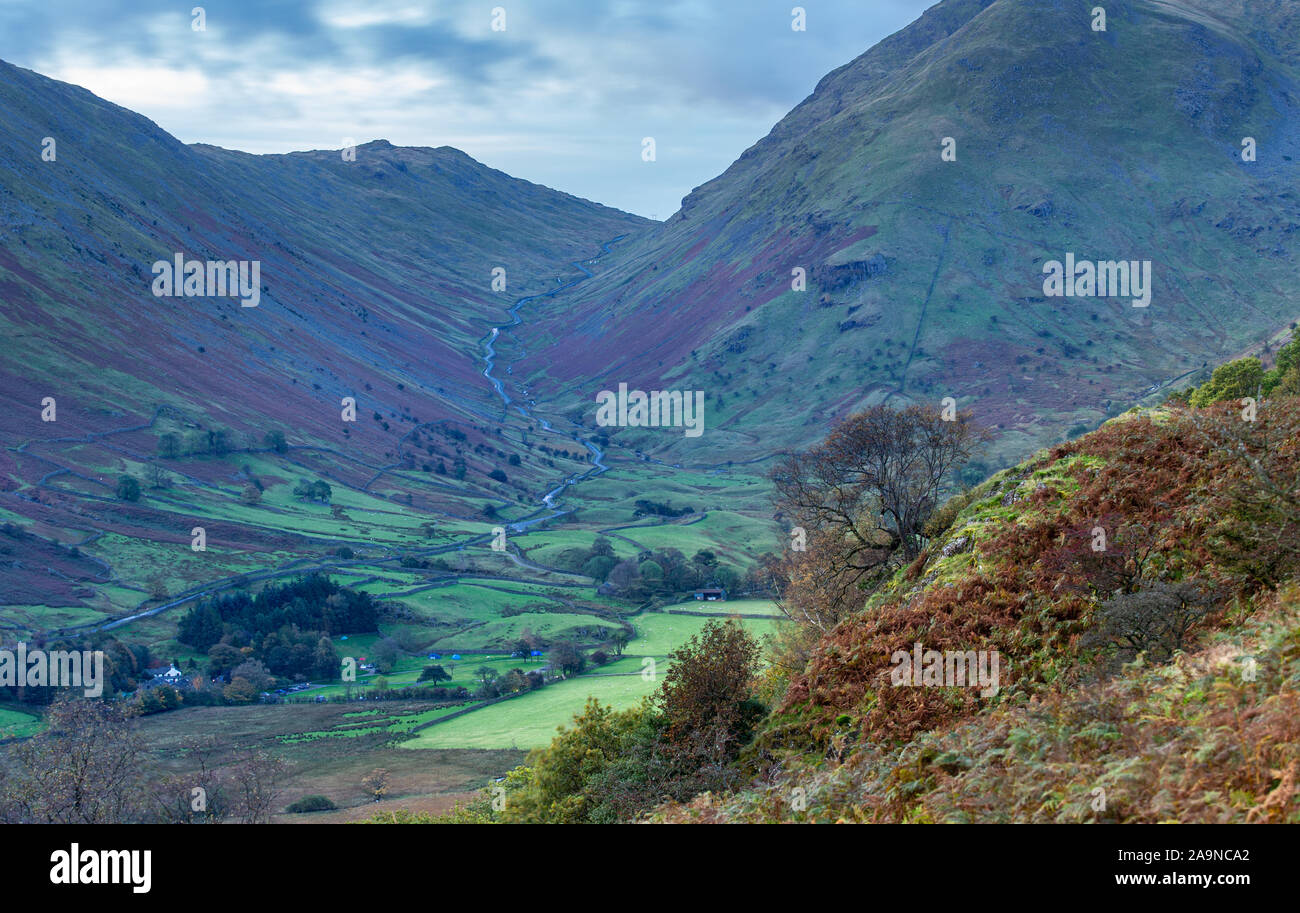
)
(925, 277)
(376, 274)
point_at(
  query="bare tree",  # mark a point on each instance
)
(198, 796)
(862, 498)
(256, 783)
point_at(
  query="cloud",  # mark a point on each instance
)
(562, 96)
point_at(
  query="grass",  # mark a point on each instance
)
(18, 723)
(658, 634)
(730, 607)
(531, 719)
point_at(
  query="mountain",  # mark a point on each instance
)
(375, 274)
(374, 281)
(925, 277)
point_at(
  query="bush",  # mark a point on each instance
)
(128, 489)
(1155, 621)
(311, 804)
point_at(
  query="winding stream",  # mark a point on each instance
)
(489, 364)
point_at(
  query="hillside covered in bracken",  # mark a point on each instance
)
(1140, 585)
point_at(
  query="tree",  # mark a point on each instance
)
(251, 495)
(255, 672)
(620, 640)
(1258, 528)
(159, 478)
(513, 682)
(384, 654)
(83, 768)
(313, 491)
(862, 499)
(256, 777)
(706, 702)
(651, 571)
(275, 441)
(240, 691)
(556, 786)
(222, 658)
(486, 677)
(598, 567)
(376, 783)
(128, 489)
(1232, 381)
(173, 795)
(434, 674)
(565, 658)
(169, 446)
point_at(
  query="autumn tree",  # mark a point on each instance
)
(84, 768)
(376, 783)
(706, 703)
(1257, 532)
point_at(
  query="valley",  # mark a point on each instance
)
(391, 485)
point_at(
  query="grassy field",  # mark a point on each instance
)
(530, 720)
(730, 607)
(18, 723)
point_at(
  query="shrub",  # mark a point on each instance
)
(1154, 621)
(311, 804)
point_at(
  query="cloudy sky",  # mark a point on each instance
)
(562, 96)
